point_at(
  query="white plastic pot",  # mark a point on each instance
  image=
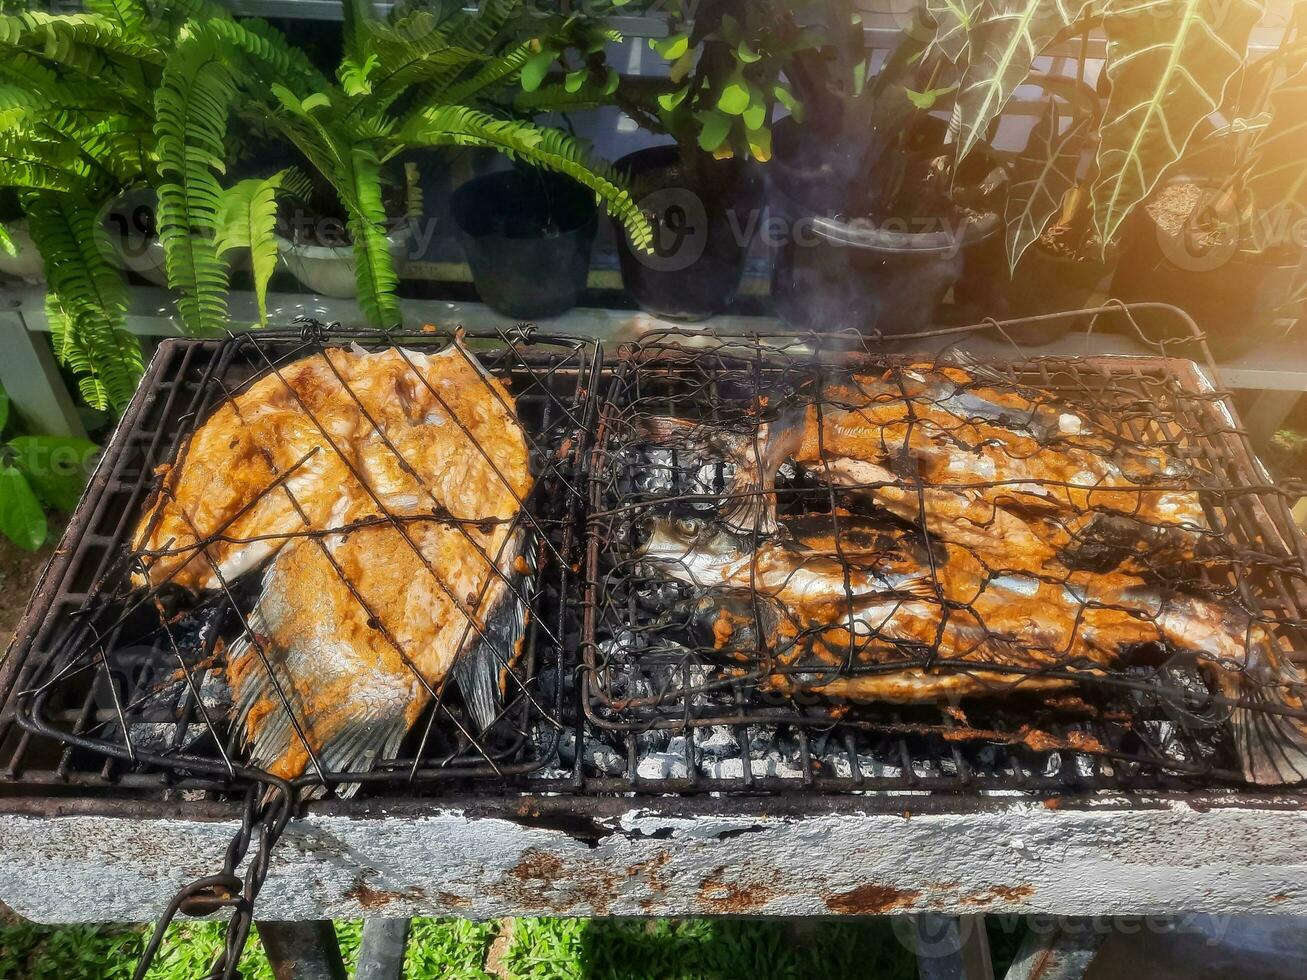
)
(27, 264)
(329, 271)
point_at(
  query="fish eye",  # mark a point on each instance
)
(686, 526)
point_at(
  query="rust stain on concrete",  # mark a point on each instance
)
(871, 900)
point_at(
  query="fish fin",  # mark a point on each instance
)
(477, 666)
(1272, 747)
(358, 746)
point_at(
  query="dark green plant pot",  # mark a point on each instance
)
(1235, 297)
(527, 235)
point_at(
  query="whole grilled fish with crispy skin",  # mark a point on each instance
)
(1004, 471)
(853, 610)
(386, 488)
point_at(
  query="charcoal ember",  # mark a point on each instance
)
(662, 765)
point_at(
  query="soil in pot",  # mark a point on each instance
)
(527, 235)
(700, 232)
(1175, 255)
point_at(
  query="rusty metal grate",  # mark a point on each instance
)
(82, 682)
(669, 712)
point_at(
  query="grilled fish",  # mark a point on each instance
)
(387, 491)
(1003, 471)
(345, 430)
(853, 610)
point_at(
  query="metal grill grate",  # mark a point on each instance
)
(93, 653)
(672, 713)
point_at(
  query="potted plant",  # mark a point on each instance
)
(867, 180)
(1227, 245)
(414, 80)
(18, 255)
(1077, 189)
(715, 105)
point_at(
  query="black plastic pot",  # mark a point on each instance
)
(700, 223)
(831, 273)
(1047, 283)
(527, 236)
(1235, 297)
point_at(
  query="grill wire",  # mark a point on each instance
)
(677, 710)
(609, 697)
(128, 681)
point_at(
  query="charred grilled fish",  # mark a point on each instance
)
(853, 610)
(386, 489)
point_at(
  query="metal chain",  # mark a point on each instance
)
(268, 807)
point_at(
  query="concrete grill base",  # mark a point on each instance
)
(79, 861)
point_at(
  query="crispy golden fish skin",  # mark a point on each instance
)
(300, 447)
(1005, 471)
(882, 601)
(358, 630)
(397, 559)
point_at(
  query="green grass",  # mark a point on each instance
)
(539, 949)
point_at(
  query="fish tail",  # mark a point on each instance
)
(1270, 727)
(280, 745)
(753, 458)
(479, 666)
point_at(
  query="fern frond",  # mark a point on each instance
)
(504, 66)
(548, 148)
(415, 50)
(86, 298)
(7, 244)
(249, 220)
(367, 226)
(267, 52)
(477, 30)
(35, 162)
(191, 110)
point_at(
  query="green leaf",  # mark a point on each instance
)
(792, 105)
(1169, 63)
(318, 100)
(1040, 179)
(1002, 40)
(575, 79)
(928, 98)
(735, 97)
(760, 144)
(714, 127)
(671, 47)
(248, 219)
(7, 244)
(755, 117)
(746, 54)
(86, 300)
(22, 520)
(668, 101)
(535, 70)
(611, 81)
(191, 110)
(57, 467)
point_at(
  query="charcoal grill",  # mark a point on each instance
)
(590, 805)
(642, 677)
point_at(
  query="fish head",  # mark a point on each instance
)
(691, 548)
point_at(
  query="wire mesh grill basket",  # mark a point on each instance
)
(786, 652)
(130, 681)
